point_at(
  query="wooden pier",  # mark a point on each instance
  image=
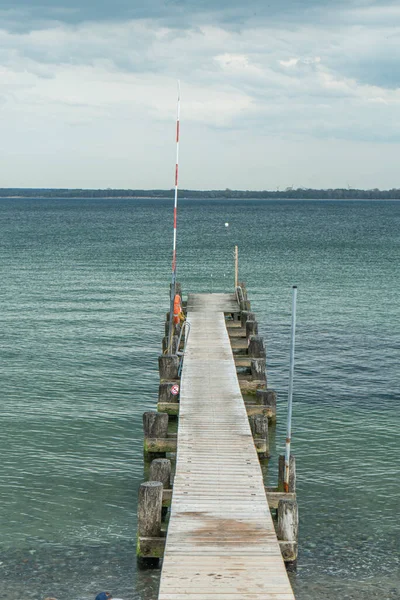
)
(221, 541)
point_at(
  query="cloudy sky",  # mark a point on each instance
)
(274, 93)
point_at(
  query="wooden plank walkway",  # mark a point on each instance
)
(221, 543)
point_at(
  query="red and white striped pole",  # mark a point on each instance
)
(173, 283)
(176, 178)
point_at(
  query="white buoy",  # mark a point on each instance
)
(226, 224)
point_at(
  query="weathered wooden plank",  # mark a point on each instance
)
(172, 408)
(151, 547)
(166, 497)
(154, 445)
(237, 332)
(239, 343)
(274, 497)
(242, 360)
(233, 324)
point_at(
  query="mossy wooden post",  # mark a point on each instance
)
(149, 520)
(259, 429)
(288, 528)
(168, 397)
(251, 328)
(155, 424)
(165, 395)
(245, 305)
(268, 399)
(155, 427)
(149, 509)
(168, 365)
(258, 370)
(292, 473)
(245, 316)
(256, 348)
(160, 470)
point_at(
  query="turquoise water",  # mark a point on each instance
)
(84, 291)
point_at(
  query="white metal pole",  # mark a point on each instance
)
(236, 266)
(290, 393)
(173, 282)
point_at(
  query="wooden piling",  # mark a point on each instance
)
(258, 370)
(160, 470)
(268, 399)
(292, 473)
(245, 316)
(256, 347)
(149, 521)
(155, 428)
(155, 424)
(149, 509)
(259, 429)
(167, 392)
(287, 528)
(168, 365)
(168, 397)
(251, 328)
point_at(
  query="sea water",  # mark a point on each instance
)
(84, 291)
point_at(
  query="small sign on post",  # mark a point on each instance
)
(175, 390)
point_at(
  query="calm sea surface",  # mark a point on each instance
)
(84, 291)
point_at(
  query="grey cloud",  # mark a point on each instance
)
(25, 14)
(381, 71)
(289, 70)
(376, 63)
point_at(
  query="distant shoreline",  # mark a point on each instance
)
(43, 196)
(120, 194)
